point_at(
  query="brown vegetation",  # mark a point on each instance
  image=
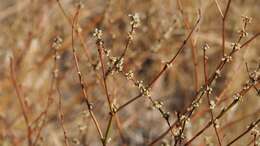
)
(129, 72)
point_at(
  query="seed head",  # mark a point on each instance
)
(98, 34)
(135, 20)
(246, 19)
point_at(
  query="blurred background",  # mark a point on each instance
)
(27, 30)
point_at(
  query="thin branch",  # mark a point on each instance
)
(200, 93)
(61, 117)
(100, 52)
(251, 126)
(210, 104)
(127, 44)
(166, 66)
(238, 96)
(219, 8)
(193, 47)
(81, 80)
(21, 101)
(223, 27)
(57, 46)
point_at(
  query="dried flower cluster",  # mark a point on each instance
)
(194, 96)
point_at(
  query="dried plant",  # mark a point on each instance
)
(87, 74)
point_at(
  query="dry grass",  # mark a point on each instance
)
(157, 77)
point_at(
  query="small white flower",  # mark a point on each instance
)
(212, 104)
(237, 96)
(98, 33)
(255, 131)
(227, 58)
(205, 47)
(209, 89)
(129, 75)
(218, 73)
(158, 104)
(57, 43)
(236, 46)
(135, 20)
(246, 19)
(169, 65)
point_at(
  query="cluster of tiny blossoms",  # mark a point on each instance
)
(246, 20)
(138, 83)
(227, 58)
(115, 64)
(98, 34)
(237, 96)
(56, 45)
(117, 61)
(135, 20)
(254, 78)
(208, 89)
(195, 103)
(212, 104)
(178, 132)
(242, 33)
(236, 46)
(146, 92)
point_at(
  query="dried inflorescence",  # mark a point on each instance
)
(98, 34)
(135, 20)
(103, 77)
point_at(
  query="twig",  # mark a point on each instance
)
(251, 126)
(193, 47)
(100, 46)
(211, 104)
(21, 102)
(237, 98)
(211, 79)
(81, 80)
(219, 9)
(166, 66)
(100, 52)
(61, 117)
(239, 120)
(56, 47)
(128, 41)
(223, 27)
